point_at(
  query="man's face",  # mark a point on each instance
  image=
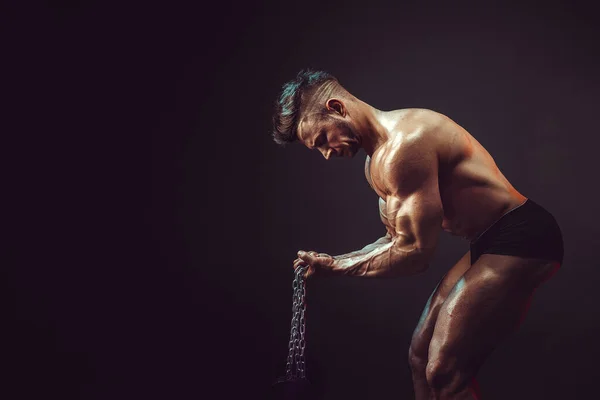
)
(332, 135)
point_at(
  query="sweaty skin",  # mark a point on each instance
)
(431, 175)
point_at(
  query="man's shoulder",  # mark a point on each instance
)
(420, 128)
(418, 120)
(410, 149)
(416, 135)
(419, 138)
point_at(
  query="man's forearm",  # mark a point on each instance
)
(368, 248)
(387, 257)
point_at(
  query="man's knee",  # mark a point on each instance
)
(444, 376)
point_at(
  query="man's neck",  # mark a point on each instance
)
(371, 128)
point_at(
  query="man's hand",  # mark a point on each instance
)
(318, 263)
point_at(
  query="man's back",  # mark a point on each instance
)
(473, 191)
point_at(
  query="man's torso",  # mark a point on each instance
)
(473, 191)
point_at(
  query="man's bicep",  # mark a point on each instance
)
(418, 219)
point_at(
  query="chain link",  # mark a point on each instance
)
(295, 367)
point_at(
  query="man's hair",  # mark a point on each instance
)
(291, 103)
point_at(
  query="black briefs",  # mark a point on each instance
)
(528, 231)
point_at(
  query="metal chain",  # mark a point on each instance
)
(295, 366)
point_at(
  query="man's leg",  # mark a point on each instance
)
(486, 305)
(419, 346)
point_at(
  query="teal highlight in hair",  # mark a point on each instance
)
(289, 103)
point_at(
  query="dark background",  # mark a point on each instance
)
(153, 222)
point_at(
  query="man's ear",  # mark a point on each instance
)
(336, 105)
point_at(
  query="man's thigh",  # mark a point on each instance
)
(486, 304)
(425, 326)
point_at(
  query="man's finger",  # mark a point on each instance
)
(298, 262)
(306, 257)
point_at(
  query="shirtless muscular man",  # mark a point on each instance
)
(430, 175)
